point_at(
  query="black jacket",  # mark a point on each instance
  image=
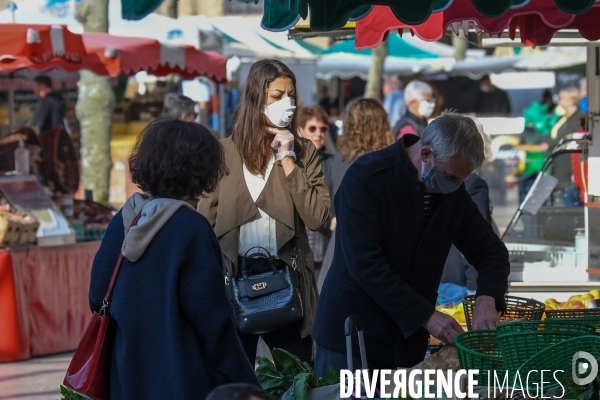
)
(49, 112)
(387, 264)
(419, 124)
(457, 270)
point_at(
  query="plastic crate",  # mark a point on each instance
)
(88, 234)
(557, 358)
(517, 308)
(479, 350)
(519, 341)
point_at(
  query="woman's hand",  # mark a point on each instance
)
(333, 224)
(283, 143)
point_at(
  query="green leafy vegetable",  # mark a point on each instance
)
(68, 394)
(270, 379)
(295, 379)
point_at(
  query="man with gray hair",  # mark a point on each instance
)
(420, 105)
(178, 106)
(399, 211)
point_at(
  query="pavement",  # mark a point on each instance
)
(40, 378)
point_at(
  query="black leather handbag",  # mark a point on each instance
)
(265, 292)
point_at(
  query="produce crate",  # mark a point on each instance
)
(556, 358)
(518, 308)
(88, 233)
(10, 229)
(519, 341)
(29, 232)
(479, 350)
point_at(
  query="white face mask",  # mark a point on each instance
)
(426, 108)
(281, 112)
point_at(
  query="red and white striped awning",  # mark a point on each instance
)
(115, 55)
(39, 43)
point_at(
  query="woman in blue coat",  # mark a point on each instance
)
(175, 337)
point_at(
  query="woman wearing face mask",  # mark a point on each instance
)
(365, 129)
(274, 190)
(420, 106)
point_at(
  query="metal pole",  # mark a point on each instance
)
(222, 122)
(592, 213)
(11, 103)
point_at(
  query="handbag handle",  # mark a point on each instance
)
(244, 269)
(294, 253)
(116, 272)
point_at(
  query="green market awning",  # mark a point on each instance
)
(138, 9)
(325, 15)
(397, 47)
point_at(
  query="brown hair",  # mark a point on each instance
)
(366, 127)
(249, 129)
(307, 113)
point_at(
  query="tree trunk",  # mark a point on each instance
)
(94, 109)
(172, 8)
(460, 43)
(378, 56)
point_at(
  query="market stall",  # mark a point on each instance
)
(554, 312)
(48, 238)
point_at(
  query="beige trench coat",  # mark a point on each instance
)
(230, 206)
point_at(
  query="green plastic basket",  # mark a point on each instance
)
(570, 325)
(517, 308)
(582, 320)
(479, 350)
(574, 313)
(556, 358)
(519, 341)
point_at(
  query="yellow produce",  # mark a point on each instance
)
(577, 301)
(457, 312)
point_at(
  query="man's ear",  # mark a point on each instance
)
(425, 153)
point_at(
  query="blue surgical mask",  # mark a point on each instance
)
(436, 182)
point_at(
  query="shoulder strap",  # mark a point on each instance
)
(116, 271)
(294, 253)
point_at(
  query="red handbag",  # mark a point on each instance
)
(88, 373)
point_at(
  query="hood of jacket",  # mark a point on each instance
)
(155, 214)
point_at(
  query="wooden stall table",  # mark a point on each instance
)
(44, 305)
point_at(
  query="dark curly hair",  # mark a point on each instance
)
(177, 159)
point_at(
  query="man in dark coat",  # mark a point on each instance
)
(457, 270)
(50, 109)
(400, 210)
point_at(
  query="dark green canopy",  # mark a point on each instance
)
(326, 15)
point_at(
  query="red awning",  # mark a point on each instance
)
(115, 55)
(39, 43)
(536, 22)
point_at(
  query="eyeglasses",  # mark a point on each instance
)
(313, 129)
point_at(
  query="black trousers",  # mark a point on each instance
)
(287, 339)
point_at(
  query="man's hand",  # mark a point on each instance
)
(485, 315)
(443, 327)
